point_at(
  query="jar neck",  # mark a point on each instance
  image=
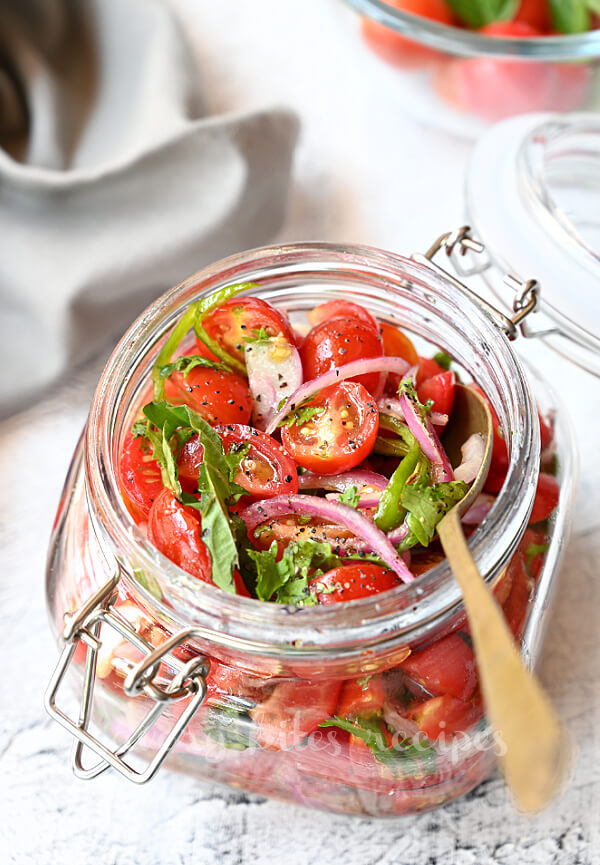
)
(296, 278)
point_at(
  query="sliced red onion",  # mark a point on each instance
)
(421, 427)
(479, 509)
(360, 479)
(392, 406)
(397, 535)
(369, 500)
(473, 452)
(334, 512)
(274, 373)
(349, 370)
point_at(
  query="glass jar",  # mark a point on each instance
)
(143, 638)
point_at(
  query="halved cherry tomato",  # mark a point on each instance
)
(360, 697)
(340, 309)
(536, 538)
(294, 710)
(224, 680)
(266, 470)
(396, 344)
(239, 317)
(140, 476)
(445, 667)
(399, 50)
(340, 436)
(428, 367)
(445, 716)
(217, 395)
(546, 498)
(338, 341)
(536, 13)
(499, 462)
(440, 389)
(546, 431)
(515, 606)
(175, 530)
(349, 582)
(287, 529)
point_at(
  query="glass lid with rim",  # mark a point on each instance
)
(533, 200)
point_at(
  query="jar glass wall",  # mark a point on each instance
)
(266, 656)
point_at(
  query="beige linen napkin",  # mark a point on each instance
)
(112, 186)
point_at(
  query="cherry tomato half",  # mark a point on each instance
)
(349, 582)
(440, 390)
(140, 476)
(546, 498)
(266, 470)
(445, 667)
(535, 13)
(240, 317)
(338, 341)
(445, 716)
(294, 710)
(360, 697)
(175, 531)
(340, 436)
(219, 396)
(340, 309)
(398, 50)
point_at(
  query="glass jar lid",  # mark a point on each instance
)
(533, 199)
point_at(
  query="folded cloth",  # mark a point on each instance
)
(111, 186)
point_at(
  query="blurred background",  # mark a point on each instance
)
(141, 140)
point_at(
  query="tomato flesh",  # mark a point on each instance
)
(266, 470)
(340, 309)
(546, 498)
(359, 697)
(340, 436)
(338, 341)
(175, 530)
(237, 319)
(349, 582)
(442, 717)
(445, 667)
(294, 710)
(398, 50)
(440, 390)
(139, 473)
(218, 396)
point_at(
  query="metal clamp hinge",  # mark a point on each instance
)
(84, 626)
(460, 242)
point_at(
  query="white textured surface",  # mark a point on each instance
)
(363, 174)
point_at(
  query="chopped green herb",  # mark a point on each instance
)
(442, 359)
(478, 13)
(259, 335)
(301, 415)
(186, 363)
(288, 578)
(350, 497)
(426, 505)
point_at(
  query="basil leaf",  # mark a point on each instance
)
(426, 505)
(570, 16)
(302, 415)
(350, 497)
(186, 363)
(401, 758)
(288, 578)
(478, 13)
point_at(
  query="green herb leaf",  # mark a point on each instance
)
(301, 415)
(214, 483)
(186, 363)
(426, 505)
(442, 359)
(399, 759)
(350, 497)
(478, 13)
(571, 16)
(260, 335)
(288, 578)
(148, 582)
(230, 727)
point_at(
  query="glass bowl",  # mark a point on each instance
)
(462, 80)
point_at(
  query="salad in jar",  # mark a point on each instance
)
(307, 468)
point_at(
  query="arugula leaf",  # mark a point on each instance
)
(442, 359)
(214, 483)
(478, 13)
(301, 415)
(230, 727)
(350, 497)
(399, 758)
(186, 363)
(288, 578)
(571, 16)
(426, 505)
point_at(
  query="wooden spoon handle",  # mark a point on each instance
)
(536, 748)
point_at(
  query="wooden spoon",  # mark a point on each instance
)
(536, 748)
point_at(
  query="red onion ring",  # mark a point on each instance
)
(424, 432)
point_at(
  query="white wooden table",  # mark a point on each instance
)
(367, 173)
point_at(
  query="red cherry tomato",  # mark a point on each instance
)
(340, 309)
(428, 367)
(533, 537)
(140, 476)
(266, 470)
(445, 667)
(360, 697)
(287, 529)
(499, 462)
(397, 344)
(546, 498)
(239, 317)
(445, 716)
(535, 13)
(338, 438)
(224, 680)
(515, 606)
(546, 431)
(349, 582)
(338, 341)
(294, 710)
(398, 50)
(219, 396)
(439, 389)
(175, 530)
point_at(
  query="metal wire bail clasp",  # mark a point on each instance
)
(460, 242)
(188, 681)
